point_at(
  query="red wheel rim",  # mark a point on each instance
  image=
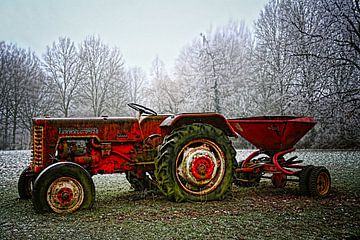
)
(200, 167)
(65, 194)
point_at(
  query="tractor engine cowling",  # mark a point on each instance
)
(74, 150)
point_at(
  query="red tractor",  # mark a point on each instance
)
(185, 156)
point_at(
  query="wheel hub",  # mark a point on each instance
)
(198, 166)
(202, 168)
(65, 194)
(323, 184)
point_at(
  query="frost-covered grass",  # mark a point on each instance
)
(247, 213)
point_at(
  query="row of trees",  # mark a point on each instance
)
(309, 52)
(85, 80)
(302, 59)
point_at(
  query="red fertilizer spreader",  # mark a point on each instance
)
(275, 136)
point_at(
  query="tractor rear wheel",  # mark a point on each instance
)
(25, 184)
(319, 182)
(195, 163)
(63, 187)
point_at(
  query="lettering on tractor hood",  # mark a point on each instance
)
(78, 131)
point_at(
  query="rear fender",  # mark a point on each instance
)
(214, 119)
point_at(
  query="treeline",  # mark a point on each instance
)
(302, 59)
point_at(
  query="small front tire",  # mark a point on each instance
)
(63, 187)
(25, 183)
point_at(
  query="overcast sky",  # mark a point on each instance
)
(141, 29)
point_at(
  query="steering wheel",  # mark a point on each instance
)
(141, 109)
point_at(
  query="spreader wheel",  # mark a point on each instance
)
(63, 187)
(304, 177)
(319, 182)
(279, 180)
(195, 163)
(25, 184)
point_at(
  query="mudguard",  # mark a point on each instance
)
(214, 119)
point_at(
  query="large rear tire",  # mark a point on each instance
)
(63, 187)
(195, 163)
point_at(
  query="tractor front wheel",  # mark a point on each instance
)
(195, 163)
(25, 183)
(63, 187)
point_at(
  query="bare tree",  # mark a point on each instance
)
(272, 59)
(64, 69)
(135, 78)
(103, 69)
(20, 70)
(307, 63)
(6, 51)
(214, 70)
(163, 93)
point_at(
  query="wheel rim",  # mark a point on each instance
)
(200, 167)
(65, 194)
(323, 183)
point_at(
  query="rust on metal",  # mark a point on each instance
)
(65, 195)
(200, 166)
(107, 145)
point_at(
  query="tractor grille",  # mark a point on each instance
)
(38, 143)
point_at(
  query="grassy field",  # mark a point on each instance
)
(247, 213)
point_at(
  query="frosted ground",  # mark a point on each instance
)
(248, 213)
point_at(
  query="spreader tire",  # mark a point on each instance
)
(63, 187)
(304, 177)
(319, 182)
(25, 184)
(195, 163)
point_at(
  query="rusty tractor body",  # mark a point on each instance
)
(185, 156)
